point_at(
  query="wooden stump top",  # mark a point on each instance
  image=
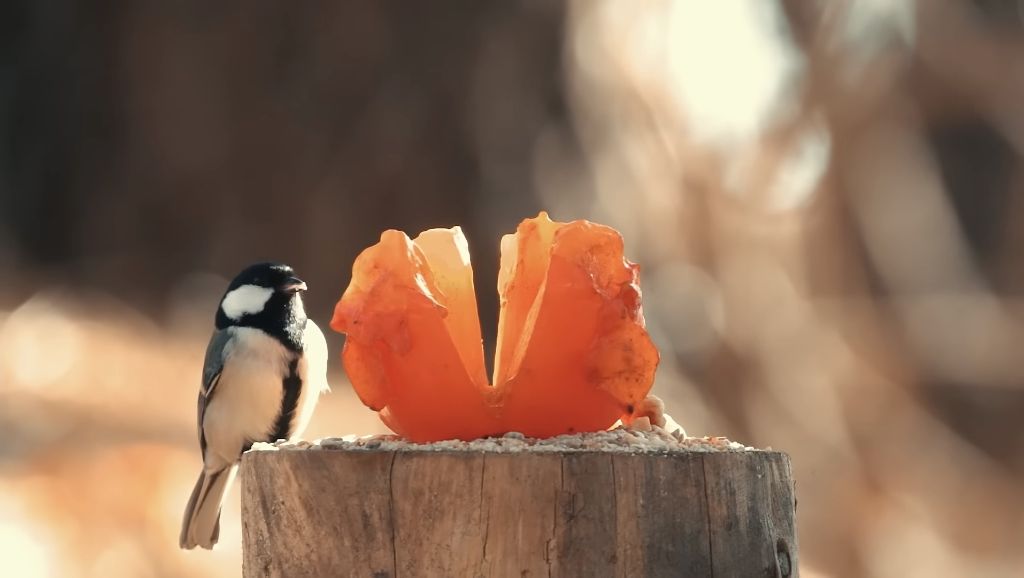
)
(408, 511)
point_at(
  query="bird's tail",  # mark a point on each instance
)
(201, 524)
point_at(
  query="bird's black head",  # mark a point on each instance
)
(266, 296)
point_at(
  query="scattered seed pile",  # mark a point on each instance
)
(623, 440)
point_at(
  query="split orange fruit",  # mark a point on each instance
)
(572, 352)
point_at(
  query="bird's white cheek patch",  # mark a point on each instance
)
(245, 300)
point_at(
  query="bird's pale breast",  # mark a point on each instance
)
(247, 398)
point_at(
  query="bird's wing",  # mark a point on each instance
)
(216, 352)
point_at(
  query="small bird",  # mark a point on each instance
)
(266, 366)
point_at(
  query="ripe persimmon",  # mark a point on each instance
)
(572, 351)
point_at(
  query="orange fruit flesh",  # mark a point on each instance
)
(572, 352)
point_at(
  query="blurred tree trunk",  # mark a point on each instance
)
(148, 140)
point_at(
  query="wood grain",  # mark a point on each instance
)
(451, 514)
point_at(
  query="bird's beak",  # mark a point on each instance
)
(293, 285)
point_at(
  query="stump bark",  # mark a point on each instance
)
(451, 514)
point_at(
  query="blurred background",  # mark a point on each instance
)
(826, 198)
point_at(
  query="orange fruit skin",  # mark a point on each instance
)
(399, 354)
(572, 351)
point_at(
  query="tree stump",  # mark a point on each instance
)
(402, 513)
